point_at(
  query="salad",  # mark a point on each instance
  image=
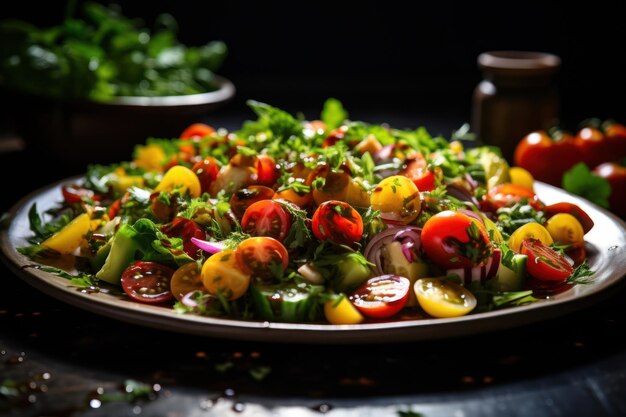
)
(327, 220)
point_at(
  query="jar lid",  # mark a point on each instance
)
(519, 63)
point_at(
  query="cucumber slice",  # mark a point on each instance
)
(121, 255)
(289, 304)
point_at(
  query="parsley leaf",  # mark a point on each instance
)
(333, 113)
(580, 181)
(581, 275)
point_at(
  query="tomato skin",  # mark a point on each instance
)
(115, 208)
(616, 139)
(267, 218)
(505, 195)
(185, 229)
(206, 171)
(417, 171)
(382, 297)
(148, 282)
(574, 210)
(245, 197)
(616, 175)
(256, 254)
(199, 130)
(544, 263)
(547, 159)
(267, 170)
(334, 136)
(337, 221)
(74, 194)
(302, 200)
(221, 275)
(593, 146)
(445, 235)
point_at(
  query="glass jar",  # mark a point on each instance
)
(516, 96)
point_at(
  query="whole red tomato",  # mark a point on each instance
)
(546, 158)
(593, 145)
(616, 175)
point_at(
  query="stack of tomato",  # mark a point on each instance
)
(601, 146)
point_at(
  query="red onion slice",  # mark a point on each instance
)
(205, 245)
(479, 273)
(408, 236)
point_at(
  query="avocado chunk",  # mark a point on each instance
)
(122, 254)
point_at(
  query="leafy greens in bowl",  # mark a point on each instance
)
(105, 55)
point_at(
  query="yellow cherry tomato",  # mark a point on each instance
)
(221, 275)
(565, 228)
(150, 157)
(70, 237)
(398, 199)
(180, 176)
(529, 231)
(520, 176)
(443, 299)
(342, 312)
(186, 279)
(493, 231)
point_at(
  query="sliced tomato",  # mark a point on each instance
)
(148, 282)
(266, 170)
(505, 195)
(185, 229)
(245, 197)
(382, 297)
(74, 193)
(334, 136)
(206, 171)
(258, 256)
(416, 169)
(337, 221)
(222, 276)
(544, 263)
(186, 279)
(572, 209)
(455, 240)
(115, 208)
(197, 130)
(267, 218)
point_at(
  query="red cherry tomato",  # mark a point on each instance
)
(148, 282)
(505, 195)
(185, 229)
(547, 159)
(616, 138)
(572, 209)
(337, 221)
(206, 171)
(382, 297)
(245, 197)
(257, 256)
(593, 146)
(616, 175)
(74, 193)
(334, 136)
(544, 263)
(267, 171)
(455, 240)
(199, 130)
(416, 170)
(267, 218)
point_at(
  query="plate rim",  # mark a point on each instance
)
(395, 331)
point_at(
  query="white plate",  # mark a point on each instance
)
(606, 248)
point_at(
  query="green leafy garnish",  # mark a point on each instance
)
(333, 113)
(580, 181)
(581, 275)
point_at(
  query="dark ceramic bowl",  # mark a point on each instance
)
(87, 132)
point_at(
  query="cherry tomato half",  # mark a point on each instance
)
(74, 193)
(185, 280)
(441, 298)
(416, 170)
(245, 197)
(148, 282)
(572, 209)
(221, 275)
(267, 218)
(258, 255)
(544, 263)
(185, 229)
(199, 130)
(505, 195)
(382, 297)
(455, 240)
(337, 221)
(206, 171)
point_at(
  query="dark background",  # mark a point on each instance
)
(384, 57)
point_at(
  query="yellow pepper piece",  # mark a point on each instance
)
(66, 240)
(342, 312)
(180, 176)
(150, 157)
